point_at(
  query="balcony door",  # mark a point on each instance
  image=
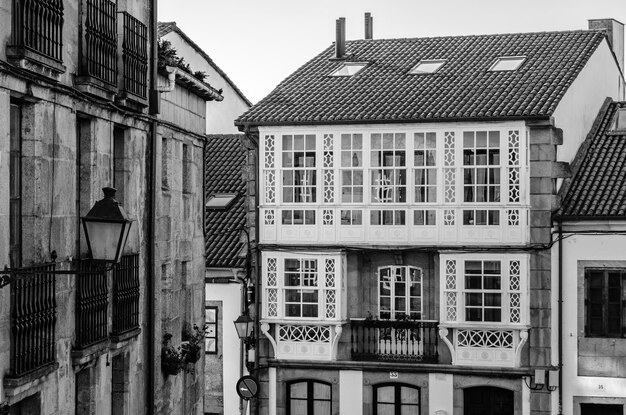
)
(486, 400)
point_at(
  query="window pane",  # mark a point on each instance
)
(385, 394)
(410, 395)
(409, 410)
(321, 408)
(385, 409)
(493, 314)
(321, 391)
(298, 407)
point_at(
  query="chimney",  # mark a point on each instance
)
(369, 25)
(340, 42)
(615, 34)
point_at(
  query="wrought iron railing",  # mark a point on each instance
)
(135, 56)
(407, 340)
(126, 295)
(91, 305)
(99, 53)
(33, 317)
(38, 25)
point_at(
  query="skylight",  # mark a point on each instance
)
(619, 122)
(427, 66)
(507, 63)
(220, 200)
(349, 69)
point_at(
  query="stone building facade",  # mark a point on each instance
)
(405, 204)
(80, 96)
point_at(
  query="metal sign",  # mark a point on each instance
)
(247, 387)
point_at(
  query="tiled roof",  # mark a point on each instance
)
(163, 28)
(224, 160)
(462, 88)
(598, 188)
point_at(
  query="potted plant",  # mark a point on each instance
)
(171, 357)
(193, 342)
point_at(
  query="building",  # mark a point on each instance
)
(405, 216)
(589, 261)
(229, 264)
(220, 115)
(80, 93)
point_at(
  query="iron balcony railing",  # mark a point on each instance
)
(33, 318)
(99, 51)
(38, 26)
(92, 300)
(135, 56)
(391, 340)
(126, 295)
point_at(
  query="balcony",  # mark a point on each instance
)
(389, 340)
(98, 60)
(92, 301)
(134, 64)
(36, 37)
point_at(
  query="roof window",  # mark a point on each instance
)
(427, 66)
(619, 122)
(349, 69)
(220, 200)
(507, 63)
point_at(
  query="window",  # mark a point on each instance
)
(298, 217)
(186, 168)
(15, 186)
(210, 335)
(424, 217)
(484, 288)
(604, 302)
(220, 200)
(481, 217)
(396, 399)
(309, 397)
(481, 166)
(400, 292)
(507, 63)
(483, 296)
(301, 287)
(425, 170)
(427, 66)
(387, 217)
(388, 161)
(165, 158)
(299, 175)
(351, 168)
(351, 217)
(119, 160)
(619, 122)
(349, 69)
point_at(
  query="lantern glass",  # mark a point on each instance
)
(243, 325)
(105, 239)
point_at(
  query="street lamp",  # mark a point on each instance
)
(106, 230)
(244, 326)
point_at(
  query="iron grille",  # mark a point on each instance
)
(33, 318)
(100, 43)
(135, 56)
(38, 25)
(91, 305)
(126, 294)
(389, 340)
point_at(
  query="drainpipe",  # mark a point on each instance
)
(151, 171)
(560, 317)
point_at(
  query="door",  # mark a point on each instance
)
(601, 409)
(486, 400)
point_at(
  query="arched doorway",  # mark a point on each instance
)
(487, 400)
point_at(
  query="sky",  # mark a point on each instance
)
(258, 43)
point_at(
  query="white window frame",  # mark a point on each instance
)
(329, 286)
(452, 304)
(393, 312)
(310, 192)
(386, 190)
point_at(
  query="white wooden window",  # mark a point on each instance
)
(481, 166)
(388, 163)
(301, 287)
(425, 171)
(351, 168)
(299, 164)
(388, 217)
(484, 288)
(400, 292)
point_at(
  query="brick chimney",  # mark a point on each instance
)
(340, 42)
(369, 26)
(615, 34)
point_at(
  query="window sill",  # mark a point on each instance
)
(130, 101)
(33, 61)
(84, 356)
(15, 386)
(123, 339)
(95, 87)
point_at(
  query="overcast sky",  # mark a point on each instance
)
(260, 42)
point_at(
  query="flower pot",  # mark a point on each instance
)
(193, 353)
(170, 367)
